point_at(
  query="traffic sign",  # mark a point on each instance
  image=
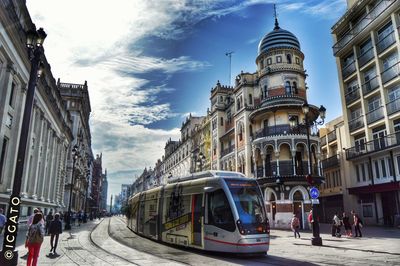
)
(314, 193)
(315, 201)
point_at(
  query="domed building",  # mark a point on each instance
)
(258, 128)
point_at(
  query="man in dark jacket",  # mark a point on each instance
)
(55, 230)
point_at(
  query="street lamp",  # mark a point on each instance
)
(200, 161)
(34, 43)
(310, 119)
(75, 156)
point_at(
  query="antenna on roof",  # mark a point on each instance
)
(276, 19)
(229, 54)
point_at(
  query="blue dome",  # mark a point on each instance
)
(278, 38)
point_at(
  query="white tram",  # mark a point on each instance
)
(212, 210)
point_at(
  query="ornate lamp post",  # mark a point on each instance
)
(75, 156)
(310, 119)
(34, 43)
(200, 161)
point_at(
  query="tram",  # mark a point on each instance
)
(213, 210)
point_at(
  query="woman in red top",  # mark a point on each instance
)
(295, 225)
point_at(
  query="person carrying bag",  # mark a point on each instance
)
(34, 239)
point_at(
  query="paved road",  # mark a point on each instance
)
(110, 242)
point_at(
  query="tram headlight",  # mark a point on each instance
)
(240, 227)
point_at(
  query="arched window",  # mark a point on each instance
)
(239, 104)
(265, 92)
(250, 99)
(288, 88)
(251, 130)
(295, 87)
(289, 58)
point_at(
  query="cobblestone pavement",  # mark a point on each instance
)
(110, 242)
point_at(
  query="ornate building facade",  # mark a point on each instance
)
(50, 132)
(366, 47)
(251, 131)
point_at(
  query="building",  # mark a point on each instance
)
(366, 47)
(257, 129)
(96, 196)
(104, 191)
(76, 98)
(49, 134)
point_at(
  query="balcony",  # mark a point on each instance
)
(375, 145)
(283, 129)
(356, 123)
(349, 69)
(330, 162)
(362, 24)
(228, 150)
(366, 57)
(393, 106)
(353, 95)
(390, 73)
(386, 42)
(370, 85)
(286, 168)
(332, 136)
(375, 115)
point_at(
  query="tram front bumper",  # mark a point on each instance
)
(253, 245)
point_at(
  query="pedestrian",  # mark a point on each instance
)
(49, 218)
(347, 225)
(310, 219)
(80, 218)
(35, 236)
(73, 218)
(337, 224)
(55, 230)
(2, 220)
(357, 224)
(295, 225)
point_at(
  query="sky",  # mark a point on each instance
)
(149, 64)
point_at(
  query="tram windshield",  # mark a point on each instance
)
(249, 204)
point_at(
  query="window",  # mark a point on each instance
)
(358, 173)
(265, 92)
(269, 61)
(383, 165)
(389, 61)
(289, 58)
(221, 121)
(359, 142)
(219, 211)
(365, 47)
(288, 88)
(374, 103)
(279, 59)
(250, 99)
(297, 60)
(295, 87)
(367, 210)
(3, 157)
(364, 177)
(12, 92)
(377, 175)
(355, 114)
(394, 94)
(385, 31)
(348, 60)
(390, 162)
(9, 120)
(352, 86)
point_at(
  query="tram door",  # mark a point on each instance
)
(197, 201)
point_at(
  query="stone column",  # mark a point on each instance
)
(277, 162)
(33, 184)
(43, 178)
(294, 161)
(264, 157)
(255, 163)
(52, 166)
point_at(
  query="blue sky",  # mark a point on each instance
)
(150, 63)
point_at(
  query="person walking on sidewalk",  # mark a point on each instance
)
(347, 225)
(55, 229)
(337, 224)
(35, 236)
(295, 225)
(49, 218)
(357, 224)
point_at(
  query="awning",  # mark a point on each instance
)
(377, 188)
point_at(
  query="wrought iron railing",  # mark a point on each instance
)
(356, 123)
(353, 95)
(227, 151)
(332, 136)
(379, 8)
(375, 115)
(393, 106)
(370, 85)
(390, 73)
(385, 42)
(366, 57)
(330, 162)
(349, 69)
(374, 145)
(283, 129)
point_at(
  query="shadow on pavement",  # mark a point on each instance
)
(354, 249)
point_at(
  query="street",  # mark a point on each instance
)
(110, 242)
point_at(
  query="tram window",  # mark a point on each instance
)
(219, 211)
